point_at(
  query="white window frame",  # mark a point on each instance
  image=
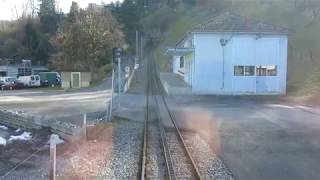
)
(244, 70)
(266, 67)
(254, 70)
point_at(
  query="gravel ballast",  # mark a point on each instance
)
(156, 164)
(183, 168)
(209, 165)
(125, 160)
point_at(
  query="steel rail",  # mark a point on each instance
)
(161, 93)
(166, 151)
(147, 110)
(145, 133)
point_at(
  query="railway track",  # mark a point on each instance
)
(165, 155)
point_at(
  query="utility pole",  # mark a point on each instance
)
(141, 47)
(137, 47)
(112, 89)
(119, 81)
(117, 53)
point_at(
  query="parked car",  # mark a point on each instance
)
(1, 84)
(30, 81)
(13, 85)
(50, 79)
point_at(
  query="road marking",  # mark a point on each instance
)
(280, 106)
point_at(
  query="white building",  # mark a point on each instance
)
(25, 68)
(233, 55)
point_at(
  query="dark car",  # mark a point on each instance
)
(14, 85)
(1, 84)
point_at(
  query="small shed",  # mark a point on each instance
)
(75, 79)
(233, 55)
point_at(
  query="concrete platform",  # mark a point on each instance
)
(174, 85)
(132, 107)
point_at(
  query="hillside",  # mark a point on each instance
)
(170, 24)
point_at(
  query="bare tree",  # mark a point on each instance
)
(15, 12)
(33, 7)
(314, 6)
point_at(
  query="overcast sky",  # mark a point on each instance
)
(7, 6)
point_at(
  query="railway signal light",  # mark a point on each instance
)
(117, 54)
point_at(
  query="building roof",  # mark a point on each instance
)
(232, 23)
(179, 51)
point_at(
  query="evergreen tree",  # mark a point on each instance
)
(48, 16)
(31, 40)
(129, 14)
(74, 12)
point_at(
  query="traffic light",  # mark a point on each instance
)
(117, 53)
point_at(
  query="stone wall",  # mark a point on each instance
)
(16, 120)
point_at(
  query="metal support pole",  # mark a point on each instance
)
(52, 161)
(119, 81)
(137, 48)
(141, 48)
(223, 70)
(112, 89)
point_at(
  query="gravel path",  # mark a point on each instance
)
(209, 165)
(126, 152)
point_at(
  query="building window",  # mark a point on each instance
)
(261, 70)
(271, 70)
(24, 71)
(239, 70)
(3, 74)
(266, 70)
(181, 61)
(249, 70)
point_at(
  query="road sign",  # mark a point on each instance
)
(127, 69)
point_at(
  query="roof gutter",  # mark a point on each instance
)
(241, 33)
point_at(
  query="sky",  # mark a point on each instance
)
(7, 6)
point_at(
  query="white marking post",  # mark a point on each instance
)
(53, 154)
(84, 126)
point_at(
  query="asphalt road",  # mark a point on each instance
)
(56, 103)
(257, 139)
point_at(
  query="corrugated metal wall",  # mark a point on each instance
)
(212, 76)
(176, 64)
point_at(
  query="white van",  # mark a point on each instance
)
(30, 81)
